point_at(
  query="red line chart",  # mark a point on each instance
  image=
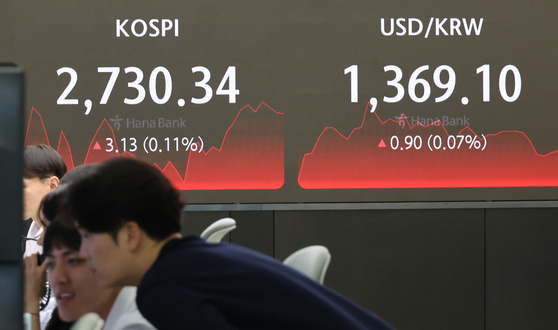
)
(395, 154)
(250, 157)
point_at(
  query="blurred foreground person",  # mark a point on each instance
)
(68, 272)
(73, 284)
(39, 162)
(128, 216)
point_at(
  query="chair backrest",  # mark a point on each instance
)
(88, 321)
(312, 261)
(217, 230)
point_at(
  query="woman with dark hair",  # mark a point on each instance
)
(44, 171)
(74, 286)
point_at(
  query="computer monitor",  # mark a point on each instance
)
(11, 194)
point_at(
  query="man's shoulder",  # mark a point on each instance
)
(185, 250)
(171, 261)
(193, 251)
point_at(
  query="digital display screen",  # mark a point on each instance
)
(301, 101)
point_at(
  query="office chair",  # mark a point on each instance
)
(217, 230)
(88, 321)
(312, 261)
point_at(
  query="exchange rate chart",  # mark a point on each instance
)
(394, 154)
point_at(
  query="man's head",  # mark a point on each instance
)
(122, 207)
(123, 190)
(43, 168)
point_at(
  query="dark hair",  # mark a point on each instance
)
(61, 232)
(79, 172)
(122, 190)
(60, 235)
(41, 161)
(55, 322)
(55, 204)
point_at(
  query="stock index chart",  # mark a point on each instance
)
(299, 101)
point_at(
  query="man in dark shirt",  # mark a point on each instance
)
(128, 215)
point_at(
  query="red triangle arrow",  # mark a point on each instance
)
(382, 144)
(98, 147)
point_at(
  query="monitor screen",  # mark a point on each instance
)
(11, 193)
(302, 101)
(11, 162)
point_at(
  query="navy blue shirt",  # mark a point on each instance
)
(198, 285)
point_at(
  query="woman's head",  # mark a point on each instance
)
(54, 205)
(73, 284)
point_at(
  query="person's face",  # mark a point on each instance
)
(34, 190)
(106, 259)
(74, 286)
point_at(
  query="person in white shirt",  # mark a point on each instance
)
(43, 168)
